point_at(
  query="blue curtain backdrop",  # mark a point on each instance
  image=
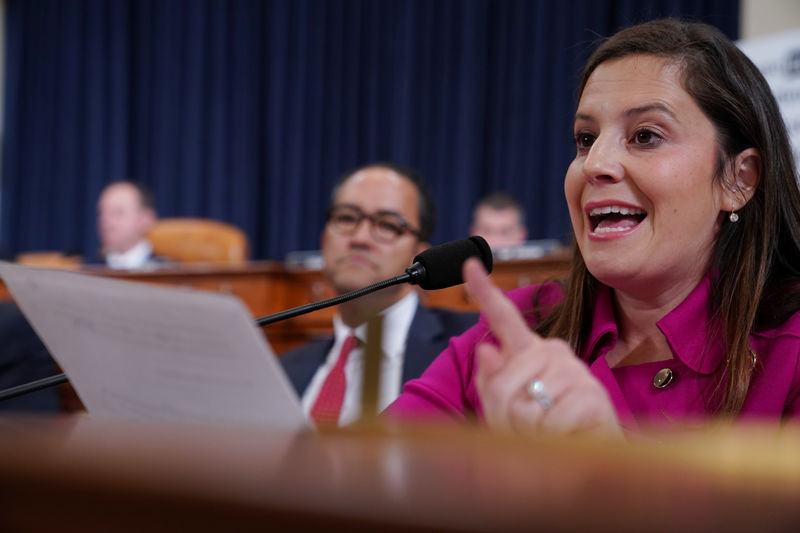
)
(247, 111)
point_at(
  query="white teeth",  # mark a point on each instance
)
(616, 209)
(609, 230)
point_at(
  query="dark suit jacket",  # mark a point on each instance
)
(428, 335)
(23, 358)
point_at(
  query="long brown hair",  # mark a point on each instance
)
(756, 258)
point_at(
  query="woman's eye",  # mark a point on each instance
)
(646, 137)
(584, 141)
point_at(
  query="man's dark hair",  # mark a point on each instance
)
(426, 207)
(499, 200)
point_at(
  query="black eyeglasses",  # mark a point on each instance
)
(385, 226)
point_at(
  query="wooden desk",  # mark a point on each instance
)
(86, 475)
(267, 287)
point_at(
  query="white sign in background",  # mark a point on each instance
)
(778, 58)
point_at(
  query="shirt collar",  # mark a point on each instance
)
(685, 328)
(136, 257)
(604, 324)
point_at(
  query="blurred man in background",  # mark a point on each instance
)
(499, 219)
(125, 214)
(380, 218)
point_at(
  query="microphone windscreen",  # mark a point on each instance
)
(443, 263)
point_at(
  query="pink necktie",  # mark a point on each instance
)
(331, 396)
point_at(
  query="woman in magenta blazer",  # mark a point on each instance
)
(682, 301)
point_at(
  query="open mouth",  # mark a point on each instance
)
(615, 218)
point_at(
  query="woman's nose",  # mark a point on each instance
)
(605, 160)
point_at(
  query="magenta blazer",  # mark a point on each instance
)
(447, 388)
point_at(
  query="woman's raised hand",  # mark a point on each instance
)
(529, 383)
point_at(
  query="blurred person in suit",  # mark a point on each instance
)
(499, 219)
(381, 216)
(125, 214)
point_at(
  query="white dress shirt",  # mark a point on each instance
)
(135, 258)
(396, 323)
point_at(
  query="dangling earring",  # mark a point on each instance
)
(733, 217)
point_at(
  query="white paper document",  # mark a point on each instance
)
(140, 352)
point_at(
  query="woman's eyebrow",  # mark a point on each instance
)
(634, 111)
(649, 107)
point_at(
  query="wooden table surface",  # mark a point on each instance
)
(79, 474)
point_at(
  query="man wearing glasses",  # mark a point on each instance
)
(381, 217)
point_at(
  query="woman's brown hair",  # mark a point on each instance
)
(756, 259)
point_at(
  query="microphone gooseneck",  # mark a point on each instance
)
(33, 386)
(336, 300)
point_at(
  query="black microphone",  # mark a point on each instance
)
(438, 267)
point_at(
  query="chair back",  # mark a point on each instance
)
(199, 240)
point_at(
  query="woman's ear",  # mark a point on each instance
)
(743, 180)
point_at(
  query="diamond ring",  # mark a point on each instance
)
(536, 390)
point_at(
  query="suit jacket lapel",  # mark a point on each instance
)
(425, 326)
(306, 366)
